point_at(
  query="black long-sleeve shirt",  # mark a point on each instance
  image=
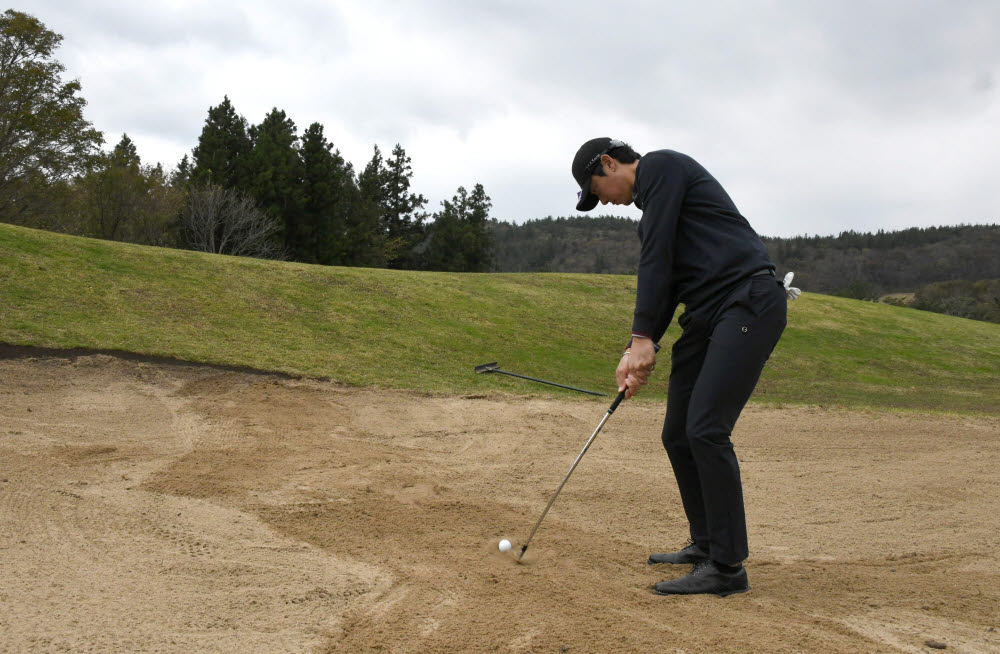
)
(696, 246)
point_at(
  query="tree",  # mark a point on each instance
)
(276, 180)
(327, 194)
(44, 138)
(181, 176)
(53, 206)
(124, 200)
(446, 241)
(223, 151)
(384, 185)
(859, 289)
(460, 238)
(367, 242)
(479, 254)
(227, 221)
(114, 189)
(156, 222)
(402, 219)
(976, 300)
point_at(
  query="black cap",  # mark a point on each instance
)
(583, 168)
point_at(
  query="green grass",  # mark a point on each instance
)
(426, 331)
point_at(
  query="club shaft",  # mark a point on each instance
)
(563, 482)
(542, 381)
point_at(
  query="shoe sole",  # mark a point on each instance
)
(650, 561)
(725, 593)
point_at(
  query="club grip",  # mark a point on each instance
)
(618, 400)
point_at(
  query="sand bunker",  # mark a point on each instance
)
(175, 508)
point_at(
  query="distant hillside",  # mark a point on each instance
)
(858, 265)
(579, 244)
(426, 331)
(890, 262)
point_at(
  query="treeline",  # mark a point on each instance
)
(951, 270)
(586, 244)
(325, 213)
(247, 189)
(867, 266)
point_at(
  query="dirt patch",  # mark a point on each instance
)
(158, 507)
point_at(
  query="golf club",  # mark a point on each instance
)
(614, 405)
(494, 367)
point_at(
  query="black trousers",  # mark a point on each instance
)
(716, 364)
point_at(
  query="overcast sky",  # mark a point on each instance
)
(816, 116)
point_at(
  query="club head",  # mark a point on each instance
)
(487, 367)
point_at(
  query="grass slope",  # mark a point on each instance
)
(426, 331)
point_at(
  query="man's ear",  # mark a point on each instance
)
(609, 162)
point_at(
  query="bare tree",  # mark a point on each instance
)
(226, 221)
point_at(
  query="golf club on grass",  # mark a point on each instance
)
(614, 405)
(495, 367)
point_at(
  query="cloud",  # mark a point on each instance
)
(816, 117)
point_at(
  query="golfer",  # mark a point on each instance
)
(698, 249)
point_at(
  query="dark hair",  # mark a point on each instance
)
(622, 154)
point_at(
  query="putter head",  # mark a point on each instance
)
(487, 367)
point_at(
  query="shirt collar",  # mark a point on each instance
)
(635, 187)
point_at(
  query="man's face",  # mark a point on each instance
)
(615, 186)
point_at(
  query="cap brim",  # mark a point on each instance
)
(587, 199)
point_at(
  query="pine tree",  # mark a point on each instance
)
(181, 176)
(275, 180)
(125, 153)
(371, 181)
(403, 219)
(367, 243)
(479, 255)
(445, 248)
(223, 150)
(460, 237)
(328, 192)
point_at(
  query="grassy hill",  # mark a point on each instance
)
(426, 331)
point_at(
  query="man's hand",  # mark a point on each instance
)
(635, 367)
(621, 374)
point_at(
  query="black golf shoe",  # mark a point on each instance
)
(706, 577)
(690, 554)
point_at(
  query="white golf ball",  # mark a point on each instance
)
(505, 545)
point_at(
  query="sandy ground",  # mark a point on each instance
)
(158, 507)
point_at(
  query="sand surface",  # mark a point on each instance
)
(159, 507)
